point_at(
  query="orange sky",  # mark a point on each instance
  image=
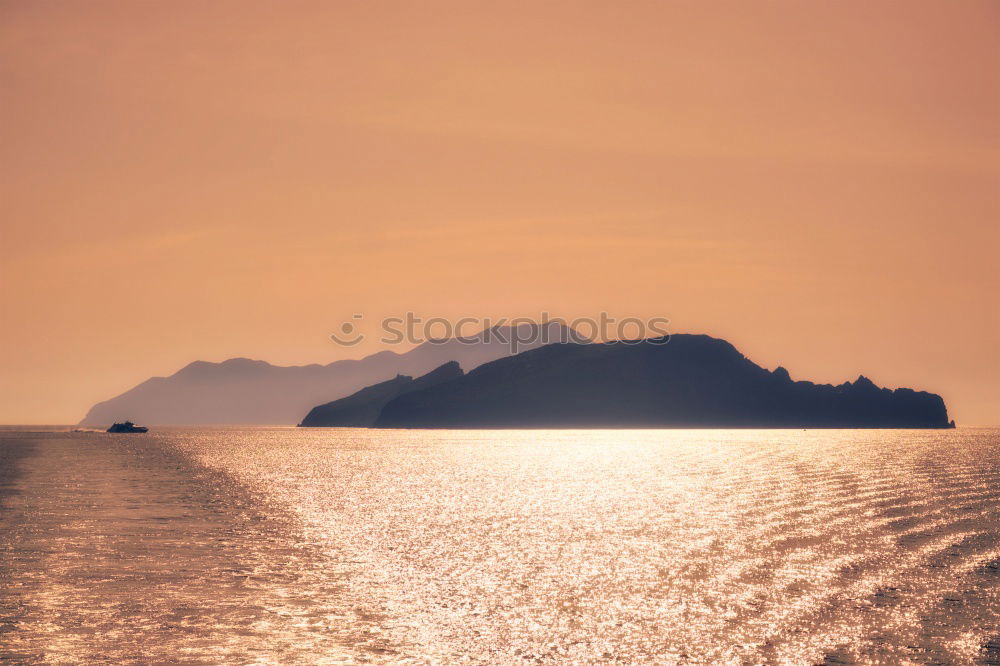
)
(815, 181)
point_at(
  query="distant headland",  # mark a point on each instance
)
(242, 391)
(690, 381)
(682, 381)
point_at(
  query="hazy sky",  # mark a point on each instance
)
(817, 182)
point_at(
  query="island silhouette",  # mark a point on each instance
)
(688, 381)
(243, 391)
(677, 381)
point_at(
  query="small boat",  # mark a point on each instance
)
(128, 426)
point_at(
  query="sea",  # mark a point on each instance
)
(349, 546)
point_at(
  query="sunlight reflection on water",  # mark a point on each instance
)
(583, 546)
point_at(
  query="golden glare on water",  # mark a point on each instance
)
(331, 546)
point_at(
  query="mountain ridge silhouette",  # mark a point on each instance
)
(687, 381)
(243, 391)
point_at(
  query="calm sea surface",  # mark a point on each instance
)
(301, 546)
